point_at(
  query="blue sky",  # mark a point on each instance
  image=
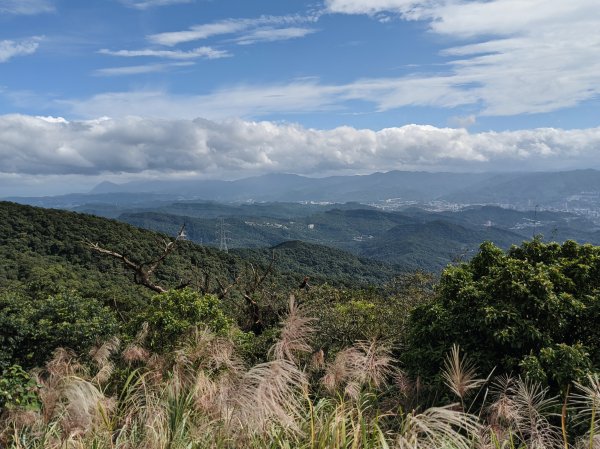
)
(228, 88)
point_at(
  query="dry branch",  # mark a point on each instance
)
(142, 271)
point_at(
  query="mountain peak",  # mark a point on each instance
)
(105, 187)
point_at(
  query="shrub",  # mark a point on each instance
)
(32, 328)
(172, 314)
(527, 310)
(18, 389)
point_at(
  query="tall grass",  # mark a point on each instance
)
(203, 396)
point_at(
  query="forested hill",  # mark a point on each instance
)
(45, 246)
(55, 290)
(322, 264)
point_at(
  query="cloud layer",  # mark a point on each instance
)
(54, 146)
(503, 58)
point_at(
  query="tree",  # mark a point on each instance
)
(523, 311)
(172, 314)
(32, 328)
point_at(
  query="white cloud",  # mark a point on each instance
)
(372, 7)
(25, 7)
(139, 69)
(251, 101)
(199, 32)
(529, 56)
(542, 57)
(48, 146)
(223, 27)
(145, 4)
(270, 34)
(9, 48)
(200, 52)
(233, 101)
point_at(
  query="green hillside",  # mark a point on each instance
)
(323, 264)
(31, 236)
(432, 245)
(417, 239)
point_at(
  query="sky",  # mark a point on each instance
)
(123, 90)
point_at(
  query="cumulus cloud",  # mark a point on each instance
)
(522, 56)
(9, 48)
(25, 7)
(49, 146)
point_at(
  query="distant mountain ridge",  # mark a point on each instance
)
(559, 190)
(526, 188)
(420, 186)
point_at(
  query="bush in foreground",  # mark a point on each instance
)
(534, 309)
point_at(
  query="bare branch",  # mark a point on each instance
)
(169, 247)
(144, 270)
(225, 290)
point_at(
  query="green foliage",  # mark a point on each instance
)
(172, 314)
(346, 315)
(33, 327)
(18, 389)
(525, 310)
(558, 365)
(295, 259)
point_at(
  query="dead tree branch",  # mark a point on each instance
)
(142, 271)
(251, 288)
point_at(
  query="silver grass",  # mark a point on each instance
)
(438, 428)
(80, 402)
(534, 408)
(295, 335)
(377, 362)
(521, 409)
(365, 363)
(270, 393)
(203, 350)
(460, 374)
(101, 357)
(135, 352)
(341, 369)
(586, 402)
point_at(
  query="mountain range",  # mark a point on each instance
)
(518, 189)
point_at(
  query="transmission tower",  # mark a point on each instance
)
(222, 233)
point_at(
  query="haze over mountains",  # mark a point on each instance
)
(558, 190)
